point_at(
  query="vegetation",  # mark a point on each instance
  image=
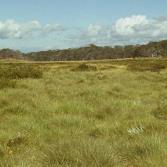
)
(147, 65)
(85, 67)
(114, 116)
(6, 83)
(19, 71)
(9, 53)
(92, 52)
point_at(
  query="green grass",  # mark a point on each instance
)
(17, 71)
(109, 114)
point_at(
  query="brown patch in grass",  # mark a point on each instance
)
(86, 67)
(141, 66)
(20, 72)
(160, 113)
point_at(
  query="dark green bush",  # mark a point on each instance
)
(20, 72)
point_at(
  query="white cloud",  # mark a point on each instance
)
(141, 27)
(95, 33)
(11, 29)
(53, 28)
(128, 30)
(94, 30)
(159, 27)
(129, 25)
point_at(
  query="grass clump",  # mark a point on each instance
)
(142, 66)
(6, 83)
(20, 72)
(14, 142)
(160, 112)
(86, 67)
(75, 153)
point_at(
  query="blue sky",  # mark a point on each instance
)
(52, 24)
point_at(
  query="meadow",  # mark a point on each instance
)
(110, 113)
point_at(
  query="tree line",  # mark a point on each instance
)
(92, 52)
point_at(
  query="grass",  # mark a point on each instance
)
(114, 116)
(86, 67)
(16, 71)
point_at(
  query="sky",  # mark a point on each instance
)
(57, 24)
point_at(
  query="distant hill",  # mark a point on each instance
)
(91, 52)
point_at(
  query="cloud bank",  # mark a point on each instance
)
(11, 29)
(128, 30)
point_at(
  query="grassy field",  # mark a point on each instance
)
(92, 114)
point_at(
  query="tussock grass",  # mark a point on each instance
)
(160, 112)
(6, 83)
(142, 65)
(112, 117)
(86, 67)
(20, 72)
